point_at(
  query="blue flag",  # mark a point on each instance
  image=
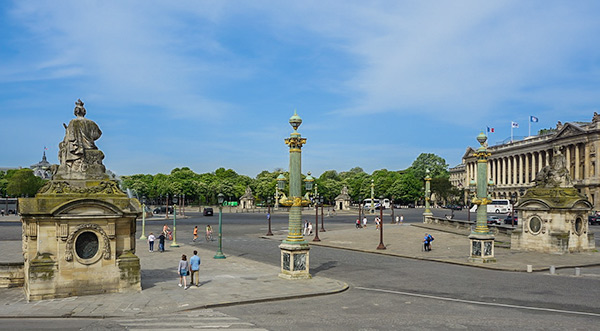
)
(533, 119)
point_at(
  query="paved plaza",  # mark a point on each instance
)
(237, 280)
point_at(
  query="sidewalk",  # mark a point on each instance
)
(233, 280)
(450, 246)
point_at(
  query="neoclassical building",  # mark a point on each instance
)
(513, 166)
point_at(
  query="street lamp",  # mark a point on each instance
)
(280, 187)
(482, 240)
(372, 197)
(295, 249)
(360, 199)
(427, 212)
(167, 207)
(175, 199)
(220, 199)
(318, 200)
(381, 245)
(269, 233)
(143, 236)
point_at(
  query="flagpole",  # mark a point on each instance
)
(529, 126)
(511, 132)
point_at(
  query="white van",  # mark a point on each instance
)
(497, 206)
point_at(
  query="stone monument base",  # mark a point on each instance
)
(295, 261)
(482, 248)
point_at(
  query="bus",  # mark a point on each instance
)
(497, 206)
(376, 203)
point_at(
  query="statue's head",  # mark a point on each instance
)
(79, 109)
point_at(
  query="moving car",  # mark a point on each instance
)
(494, 220)
(161, 210)
(207, 211)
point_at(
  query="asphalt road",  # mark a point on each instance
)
(386, 293)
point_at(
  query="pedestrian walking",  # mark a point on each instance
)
(397, 219)
(365, 222)
(310, 227)
(183, 270)
(195, 269)
(377, 222)
(305, 232)
(2, 212)
(195, 233)
(151, 239)
(161, 242)
(358, 223)
(401, 219)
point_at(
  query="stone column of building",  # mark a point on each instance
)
(586, 163)
(526, 168)
(577, 162)
(568, 159)
(548, 157)
(502, 169)
(540, 161)
(514, 170)
(533, 166)
(521, 172)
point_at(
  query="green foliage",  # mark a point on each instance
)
(407, 189)
(436, 165)
(404, 186)
(23, 182)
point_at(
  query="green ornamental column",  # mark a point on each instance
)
(482, 240)
(427, 212)
(294, 249)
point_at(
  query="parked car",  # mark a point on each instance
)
(161, 210)
(594, 219)
(508, 220)
(454, 207)
(411, 205)
(207, 211)
(495, 220)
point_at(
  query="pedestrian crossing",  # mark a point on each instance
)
(206, 319)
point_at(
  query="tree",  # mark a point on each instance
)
(24, 182)
(407, 189)
(436, 165)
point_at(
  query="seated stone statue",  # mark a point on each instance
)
(555, 175)
(78, 152)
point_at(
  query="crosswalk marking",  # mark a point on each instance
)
(206, 319)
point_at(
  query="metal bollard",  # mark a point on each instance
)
(552, 270)
(529, 268)
(577, 271)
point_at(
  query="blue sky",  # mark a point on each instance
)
(209, 84)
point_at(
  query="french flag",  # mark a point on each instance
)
(490, 129)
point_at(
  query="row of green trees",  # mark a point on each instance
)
(19, 182)
(404, 186)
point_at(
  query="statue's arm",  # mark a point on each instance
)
(65, 126)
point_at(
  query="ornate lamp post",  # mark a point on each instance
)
(318, 201)
(482, 240)
(269, 233)
(308, 183)
(294, 249)
(427, 212)
(175, 199)
(381, 245)
(167, 207)
(143, 236)
(360, 207)
(372, 210)
(220, 199)
(280, 186)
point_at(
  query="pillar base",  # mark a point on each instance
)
(294, 261)
(482, 248)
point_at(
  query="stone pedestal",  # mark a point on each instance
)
(294, 261)
(553, 220)
(79, 239)
(482, 248)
